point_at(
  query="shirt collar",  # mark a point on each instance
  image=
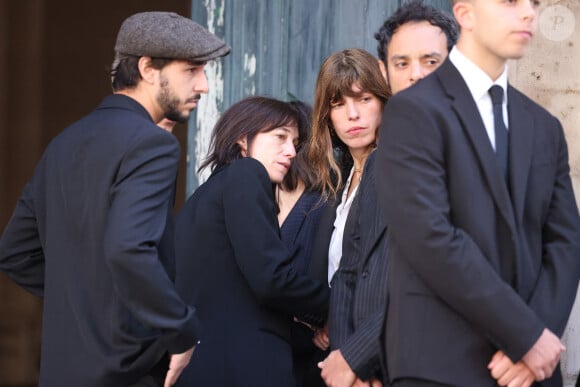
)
(476, 79)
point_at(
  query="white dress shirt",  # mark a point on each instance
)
(335, 248)
(479, 84)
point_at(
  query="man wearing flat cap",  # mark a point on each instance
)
(92, 231)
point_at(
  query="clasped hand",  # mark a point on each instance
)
(537, 364)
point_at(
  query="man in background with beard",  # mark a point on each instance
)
(92, 232)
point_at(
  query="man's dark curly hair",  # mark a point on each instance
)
(415, 11)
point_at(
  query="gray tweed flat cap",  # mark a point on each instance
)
(168, 35)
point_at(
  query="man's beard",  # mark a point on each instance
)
(170, 104)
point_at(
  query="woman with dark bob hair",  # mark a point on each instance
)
(232, 265)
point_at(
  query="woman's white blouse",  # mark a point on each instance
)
(335, 248)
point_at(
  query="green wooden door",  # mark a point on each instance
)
(277, 49)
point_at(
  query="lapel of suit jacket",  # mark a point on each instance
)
(291, 228)
(372, 235)
(466, 110)
(371, 215)
(521, 129)
(318, 265)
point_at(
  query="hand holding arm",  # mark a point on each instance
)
(177, 364)
(361, 383)
(368, 383)
(544, 356)
(335, 370)
(320, 338)
(506, 373)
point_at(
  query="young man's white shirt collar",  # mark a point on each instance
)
(479, 83)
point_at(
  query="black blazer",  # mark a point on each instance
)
(359, 288)
(298, 232)
(92, 234)
(234, 268)
(476, 266)
(318, 267)
(357, 298)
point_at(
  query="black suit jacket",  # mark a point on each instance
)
(318, 267)
(237, 272)
(359, 287)
(90, 234)
(476, 266)
(298, 232)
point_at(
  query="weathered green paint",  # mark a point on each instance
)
(277, 49)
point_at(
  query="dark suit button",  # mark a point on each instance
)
(365, 274)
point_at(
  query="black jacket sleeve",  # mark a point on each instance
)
(141, 199)
(263, 259)
(21, 253)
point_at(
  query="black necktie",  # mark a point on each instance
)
(501, 132)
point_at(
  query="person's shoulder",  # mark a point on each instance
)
(424, 91)
(246, 173)
(516, 96)
(119, 118)
(246, 178)
(128, 117)
(148, 139)
(150, 129)
(370, 160)
(425, 95)
(247, 166)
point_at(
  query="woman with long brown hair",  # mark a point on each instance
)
(348, 83)
(349, 99)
